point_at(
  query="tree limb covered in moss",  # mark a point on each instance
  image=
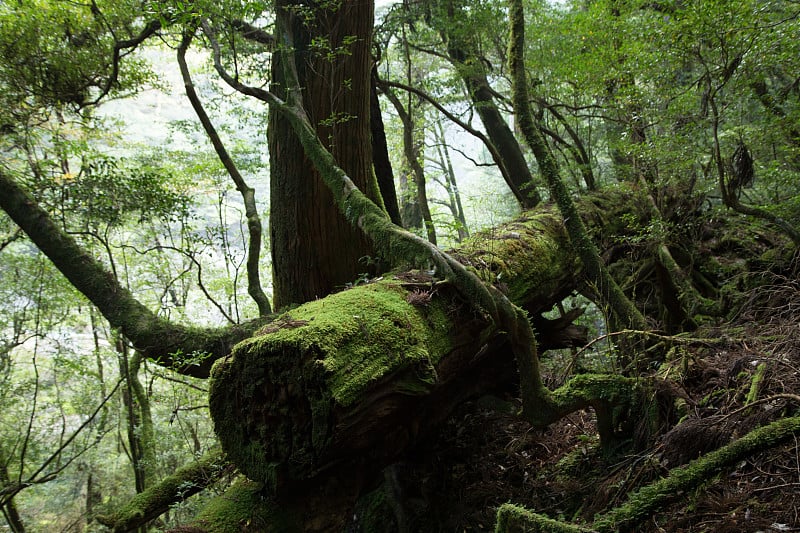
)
(513, 518)
(624, 310)
(157, 500)
(190, 351)
(650, 499)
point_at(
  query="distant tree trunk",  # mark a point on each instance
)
(471, 67)
(94, 495)
(410, 213)
(412, 149)
(314, 249)
(450, 184)
(140, 423)
(774, 107)
(630, 124)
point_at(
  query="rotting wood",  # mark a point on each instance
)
(358, 376)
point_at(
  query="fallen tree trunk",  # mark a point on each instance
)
(352, 380)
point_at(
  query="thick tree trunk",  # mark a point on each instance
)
(314, 249)
(351, 381)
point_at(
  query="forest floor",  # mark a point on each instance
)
(729, 379)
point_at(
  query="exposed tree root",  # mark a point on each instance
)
(650, 499)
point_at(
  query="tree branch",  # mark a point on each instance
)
(248, 193)
(158, 499)
(185, 349)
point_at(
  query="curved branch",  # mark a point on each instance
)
(158, 499)
(187, 350)
(248, 193)
(412, 158)
(119, 47)
(498, 159)
(253, 33)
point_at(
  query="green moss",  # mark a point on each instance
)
(360, 336)
(152, 502)
(514, 518)
(644, 502)
(755, 383)
(527, 257)
(277, 400)
(243, 507)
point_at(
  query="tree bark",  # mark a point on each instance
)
(314, 249)
(380, 154)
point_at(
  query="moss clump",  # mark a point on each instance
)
(361, 335)
(243, 507)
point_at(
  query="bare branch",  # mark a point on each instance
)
(248, 193)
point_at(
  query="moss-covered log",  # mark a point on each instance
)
(652, 498)
(156, 500)
(357, 376)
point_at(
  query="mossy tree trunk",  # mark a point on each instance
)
(343, 384)
(625, 313)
